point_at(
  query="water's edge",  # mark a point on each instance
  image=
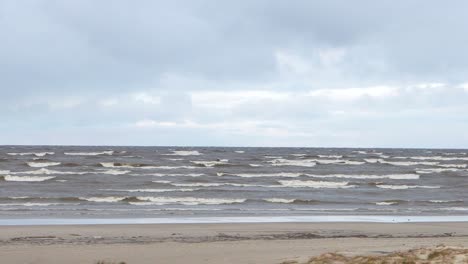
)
(234, 220)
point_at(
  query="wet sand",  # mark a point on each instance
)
(217, 243)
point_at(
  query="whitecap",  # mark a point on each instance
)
(151, 190)
(45, 171)
(42, 164)
(185, 153)
(401, 163)
(299, 163)
(331, 156)
(404, 187)
(171, 175)
(109, 152)
(338, 161)
(386, 203)
(252, 175)
(364, 176)
(211, 163)
(445, 201)
(239, 151)
(114, 172)
(435, 158)
(315, 184)
(255, 165)
(27, 178)
(185, 201)
(279, 200)
(109, 199)
(37, 154)
(436, 170)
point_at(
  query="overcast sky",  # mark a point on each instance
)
(234, 73)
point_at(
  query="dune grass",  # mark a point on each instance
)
(439, 254)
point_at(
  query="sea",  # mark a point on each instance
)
(104, 182)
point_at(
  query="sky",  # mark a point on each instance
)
(323, 73)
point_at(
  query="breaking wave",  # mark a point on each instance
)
(27, 178)
(184, 201)
(315, 184)
(37, 154)
(404, 187)
(184, 153)
(42, 164)
(109, 152)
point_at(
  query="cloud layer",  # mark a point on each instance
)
(244, 73)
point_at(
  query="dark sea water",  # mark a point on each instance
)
(115, 182)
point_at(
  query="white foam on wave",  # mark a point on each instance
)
(37, 204)
(338, 161)
(253, 175)
(444, 201)
(315, 184)
(208, 163)
(273, 157)
(279, 200)
(27, 178)
(114, 172)
(404, 187)
(109, 152)
(37, 154)
(171, 174)
(330, 156)
(255, 165)
(185, 201)
(299, 163)
(435, 170)
(386, 203)
(434, 158)
(163, 182)
(44, 171)
(151, 190)
(401, 163)
(184, 153)
(175, 159)
(364, 176)
(239, 151)
(461, 166)
(42, 164)
(108, 199)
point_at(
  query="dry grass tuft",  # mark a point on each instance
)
(438, 255)
(109, 262)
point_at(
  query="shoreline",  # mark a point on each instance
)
(261, 243)
(235, 220)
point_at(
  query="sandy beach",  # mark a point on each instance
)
(217, 243)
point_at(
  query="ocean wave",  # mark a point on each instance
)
(434, 158)
(44, 171)
(338, 161)
(108, 199)
(211, 163)
(171, 174)
(163, 182)
(445, 201)
(42, 164)
(255, 165)
(176, 159)
(27, 178)
(184, 201)
(298, 163)
(109, 152)
(253, 175)
(273, 157)
(114, 172)
(436, 170)
(364, 176)
(279, 200)
(151, 190)
(239, 151)
(37, 154)
(404, 187)
(184, 153)
(315, 184)
(460, 166)
(386, 203)
(331, 156)
(401, 163)
(35, 204)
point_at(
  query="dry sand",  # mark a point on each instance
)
(217, 243)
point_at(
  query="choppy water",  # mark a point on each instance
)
(62, 181)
